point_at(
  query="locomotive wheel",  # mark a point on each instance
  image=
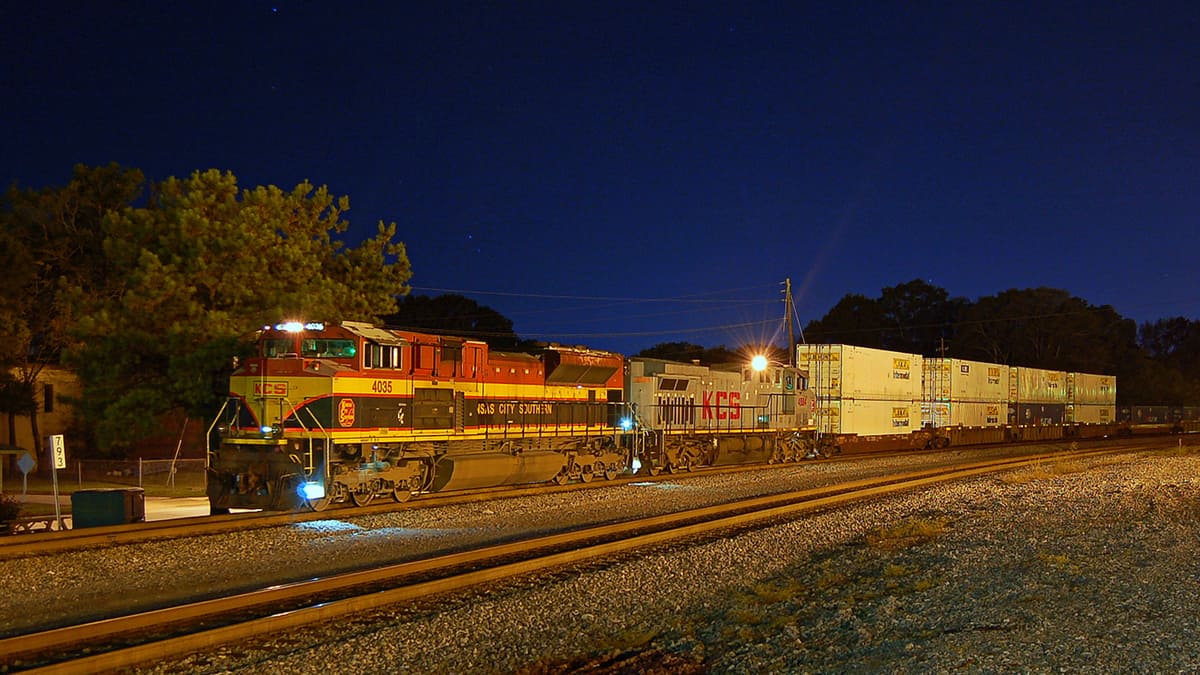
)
(611, 474)
(562, 478)
(650, 469)
(318, 504)
(586, 475)
(361, 498)
(401, 493)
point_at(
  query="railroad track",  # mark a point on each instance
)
(46, 543)
(125, 641)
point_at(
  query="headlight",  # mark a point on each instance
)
(312, 490)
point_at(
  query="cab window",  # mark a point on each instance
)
(278, 348)
(328, 348)
(381, 356)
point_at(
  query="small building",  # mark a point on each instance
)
(54, 415)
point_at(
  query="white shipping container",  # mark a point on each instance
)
(1089, 388)
(962, 380)
(867, 417)
(1037, 385)
(1091, 413)
(850, 372)
(964, 414)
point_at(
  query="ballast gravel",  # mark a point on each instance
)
(1090, 566)
(44, 592)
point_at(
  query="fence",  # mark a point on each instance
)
(181, 473)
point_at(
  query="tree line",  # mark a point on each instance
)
(1155, 363)
(148, 292)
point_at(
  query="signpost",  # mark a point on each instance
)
(58, 452)
(26, 464)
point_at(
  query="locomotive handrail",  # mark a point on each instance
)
(308, 464)
(328, 446)
(747, 420)
(208, 450)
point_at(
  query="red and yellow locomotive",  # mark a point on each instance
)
(330, 413)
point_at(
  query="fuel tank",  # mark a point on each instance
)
(468, 472)
(745, 449)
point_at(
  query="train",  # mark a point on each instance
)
(349, 412)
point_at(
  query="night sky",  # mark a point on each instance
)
(624, 174)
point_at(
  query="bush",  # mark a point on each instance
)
(10, 508)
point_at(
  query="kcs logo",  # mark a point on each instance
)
(270, 388)
(346, 412)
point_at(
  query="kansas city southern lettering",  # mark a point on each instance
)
(727, 404)
(515, 408)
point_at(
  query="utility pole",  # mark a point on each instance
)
(788, 311)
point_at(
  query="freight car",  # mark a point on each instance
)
(873, 399)
(1156, 419)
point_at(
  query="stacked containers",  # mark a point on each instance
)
(1037, 397)
(961, 393)
(869, 392)
(1091, 399)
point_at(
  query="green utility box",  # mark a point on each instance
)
(113, 506)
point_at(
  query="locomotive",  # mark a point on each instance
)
(350, 412)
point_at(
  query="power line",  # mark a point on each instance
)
(698, 301)
(674, 331)
(695, 297)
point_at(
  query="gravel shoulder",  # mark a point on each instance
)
(1089, 567)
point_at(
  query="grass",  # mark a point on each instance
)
(906, 533)
(1044, 471)
(1181, 449)
(185, 486)
(1060, 562)
(34, 509)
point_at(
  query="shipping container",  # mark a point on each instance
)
(867, 417)
(959, 392)
(1091, 413)
(1150, 414)
(964, 414)
(1089, 388)
(962, 380)
(850, 372)
(1036, 414)
(1037, 385)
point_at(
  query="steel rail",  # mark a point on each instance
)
(45, 543)
(543, 553)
